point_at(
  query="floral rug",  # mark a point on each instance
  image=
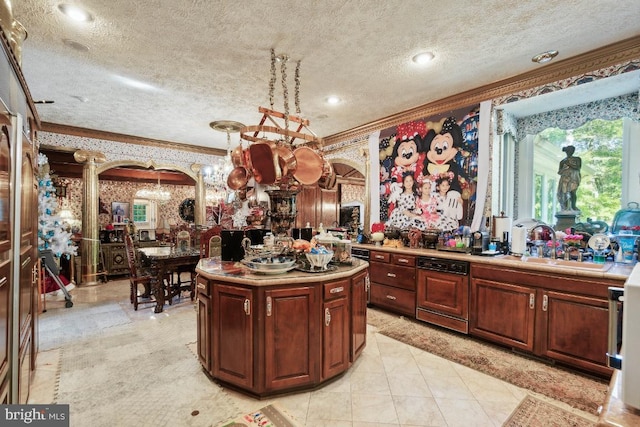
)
(534, 412)
(578, 391)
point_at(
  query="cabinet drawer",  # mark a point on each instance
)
(203, 286)
(339, 289)
(393, 275)
(408, 260)
(395, 299)
(380, 256)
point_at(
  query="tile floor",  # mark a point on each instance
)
(391, 384)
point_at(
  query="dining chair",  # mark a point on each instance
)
(183, 242)
(137, 277)
(211, 243)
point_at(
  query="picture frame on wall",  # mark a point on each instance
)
(147, 235)
(119, 211)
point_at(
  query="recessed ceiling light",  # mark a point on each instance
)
(423, 58)
(333, 100)
(544, 57)
(74, 12)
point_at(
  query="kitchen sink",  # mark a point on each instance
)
(590, 266)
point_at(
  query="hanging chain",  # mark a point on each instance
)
(297, 93)
(272, 82)
(285, 95)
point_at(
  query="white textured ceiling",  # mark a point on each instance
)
(210, 60)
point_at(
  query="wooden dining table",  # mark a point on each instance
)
(164, 259)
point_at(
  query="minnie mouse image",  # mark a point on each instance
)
(441, 149)
(408, 150)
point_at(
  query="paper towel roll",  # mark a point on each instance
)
(518, 240)
(500, 225)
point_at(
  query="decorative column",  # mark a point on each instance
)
(364, 152)
(89, 248)
(201, 205)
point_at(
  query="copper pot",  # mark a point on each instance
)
(237, 156)
(329, 178)
(286, 160)
(237, 178)
(264, 162)
(310, 165)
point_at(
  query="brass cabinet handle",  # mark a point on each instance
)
(268, 306)
(336, 290)
(201, 286)
(367, 283)
(391, 297)
(391, 275)
(3, 281)
(532, 300)
(545, 303)
(403, 260)
(327, 316)
(379, 256)
(247, 306)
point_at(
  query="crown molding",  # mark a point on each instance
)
(596, 59)
(128, 139)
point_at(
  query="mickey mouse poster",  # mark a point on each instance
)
(438, 153)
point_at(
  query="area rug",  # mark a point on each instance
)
(579, 391)
(534, 412)
(269, 416)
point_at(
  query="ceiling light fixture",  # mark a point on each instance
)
(157, 194)
(545, 57)
(333, 100)
(423, 58)
(215, 176)
(74, 12)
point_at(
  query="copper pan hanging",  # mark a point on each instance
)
(286, 159)
(264, 162)
(329, 178)
(238, 178)
(237, 156)
(310, 165)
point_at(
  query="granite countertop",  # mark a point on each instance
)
(236, 272)
(609, 270)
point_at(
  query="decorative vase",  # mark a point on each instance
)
(378, 238)
(282, 211)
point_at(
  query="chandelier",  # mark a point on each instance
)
(157, 194)
(215, 175)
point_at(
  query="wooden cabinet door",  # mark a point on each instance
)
(503, 313)
(306, 206)
(291, 339)
(232, 354)
(574, 329)
(204, 330)
(358, 314)
(443, 293)
(335, 337)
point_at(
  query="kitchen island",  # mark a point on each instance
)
(270, 334)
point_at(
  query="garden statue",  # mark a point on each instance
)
(569, 171)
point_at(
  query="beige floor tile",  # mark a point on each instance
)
(329, 406)
(449, 388)
(373, 408)
(463, 413)
(418, 411)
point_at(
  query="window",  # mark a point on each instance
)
(144, 214)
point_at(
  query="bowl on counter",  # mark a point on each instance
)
(319, 260)
(270, 264)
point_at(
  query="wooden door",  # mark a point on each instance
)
(291, 341)
(574, 329)
(359, 285)
(233, 354)
(503, 312)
